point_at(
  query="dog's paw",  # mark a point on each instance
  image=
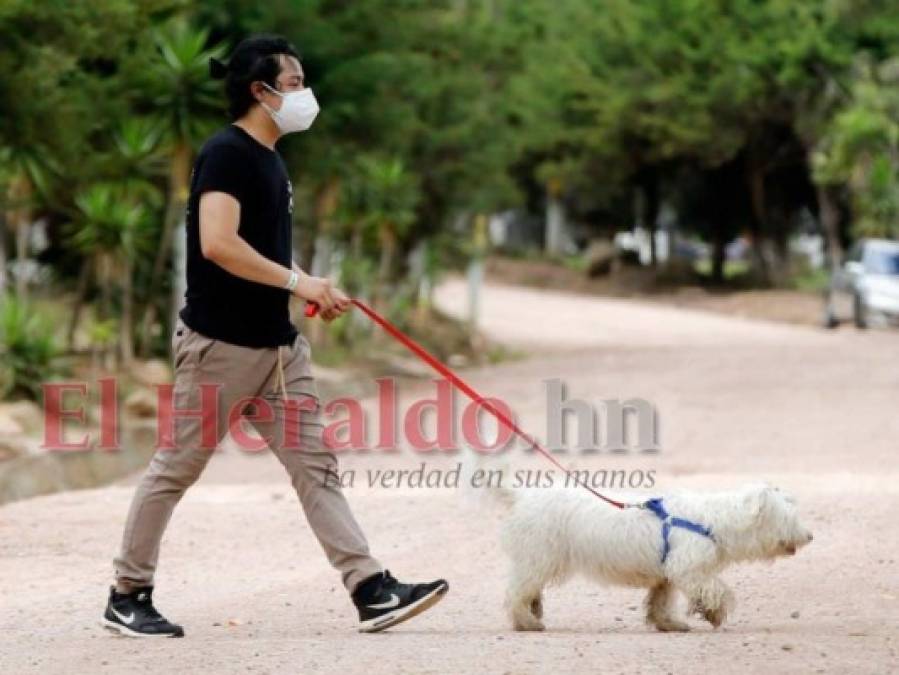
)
(671, 626)
(527, 623)
(715, 617)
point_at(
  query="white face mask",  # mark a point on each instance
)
(298, 110)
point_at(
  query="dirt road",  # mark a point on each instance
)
(737, 400)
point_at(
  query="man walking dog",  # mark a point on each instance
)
(235, 333)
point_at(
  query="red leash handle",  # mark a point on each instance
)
(410, 344)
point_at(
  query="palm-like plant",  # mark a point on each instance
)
(137, 158)
(113, 230)
(25, 174)
(179, 86)
(134, 161)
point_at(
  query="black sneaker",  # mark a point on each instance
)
(134, 615)
(383, 601)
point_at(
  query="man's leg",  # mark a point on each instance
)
(198, 360)
(381, 600)
(311, 465)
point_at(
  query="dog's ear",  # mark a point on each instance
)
(754, 500)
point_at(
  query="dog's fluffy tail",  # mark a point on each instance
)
(485, 478)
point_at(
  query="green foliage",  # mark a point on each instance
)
(861, 149)
(435, 114)
(28, 349)
(175, 82)
(109, 223)
(103, 334)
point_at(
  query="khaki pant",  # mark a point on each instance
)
(242, 372)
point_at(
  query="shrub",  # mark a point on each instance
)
(28, 349)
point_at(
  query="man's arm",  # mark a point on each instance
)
(220, 243)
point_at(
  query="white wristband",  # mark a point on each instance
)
(292, 281)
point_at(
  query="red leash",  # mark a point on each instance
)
(421, 353)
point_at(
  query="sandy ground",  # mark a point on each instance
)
(737, 399)
(774, 304)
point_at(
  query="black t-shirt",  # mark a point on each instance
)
(219, 304)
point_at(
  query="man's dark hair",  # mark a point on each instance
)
(255, 59)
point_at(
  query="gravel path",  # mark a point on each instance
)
(737, 400)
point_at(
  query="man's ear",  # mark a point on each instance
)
(257, 91)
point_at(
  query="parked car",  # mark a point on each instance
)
(866, 286)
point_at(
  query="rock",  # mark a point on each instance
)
(27, 416)
(152, 372)
(457, 361)
(15, 445)
(599, 256)
(794, 615)
(9, 425)
(141, 403)
(20, 445)
(787, 648)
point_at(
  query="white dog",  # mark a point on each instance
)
(681, 542)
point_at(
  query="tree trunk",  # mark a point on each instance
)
(2, 253)
(21, 257)
(80, 295)
(829, 216)
(555, 226)
(326, 201)
(179, 177)
(756, 179)
(126, 343)
(782, 248)
(652, 216)
(318, 248)
(388, 253)
(719, 253)
(103, 276)
(19, 195)
(179, 273)
(554, 219)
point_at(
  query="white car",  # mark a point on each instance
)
(866, 287)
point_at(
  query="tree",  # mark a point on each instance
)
(133, 166)
(49, 51)
(178, 88)
(861, 149)
(25, 176)
(114, 231)
(413, 81)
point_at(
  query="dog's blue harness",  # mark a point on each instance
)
(669, 521)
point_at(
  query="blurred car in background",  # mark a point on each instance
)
(865, 288)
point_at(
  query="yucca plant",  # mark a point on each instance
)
(25, 174)
(177, 82)
(113, 230)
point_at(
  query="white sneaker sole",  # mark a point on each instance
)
(387, 620)
(114, 627)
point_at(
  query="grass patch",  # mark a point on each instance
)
(733, 269)
(811, 280)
